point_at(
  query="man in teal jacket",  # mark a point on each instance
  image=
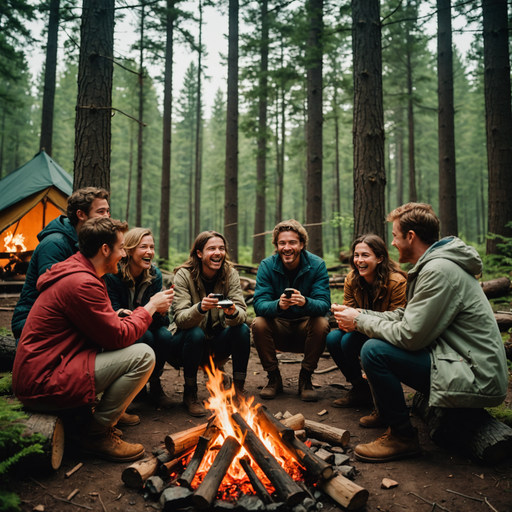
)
(292, 321)
(445, 343)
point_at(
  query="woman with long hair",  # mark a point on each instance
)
(136, 281)
(377, 283)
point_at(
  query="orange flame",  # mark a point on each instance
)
(12, 242)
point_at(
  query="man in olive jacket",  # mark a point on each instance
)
(445, 343)
(295, 323)
(205, 326)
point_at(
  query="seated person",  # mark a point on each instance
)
(377, 283)
(136, 281)
(445, 343)
(296, 323)
(206, 328)
(58, 241)
(74, 345)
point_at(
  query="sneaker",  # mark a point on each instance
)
(157, 396)
(389, 446)
(192, 403)
(128, 420)
(274, 386)
(360, 394)
(306, 391)
(372, 421)
(107, 445)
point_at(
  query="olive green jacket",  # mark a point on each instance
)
(189, 293)
(448, 314)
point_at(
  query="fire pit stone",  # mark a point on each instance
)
(175, 497)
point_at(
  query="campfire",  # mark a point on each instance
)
(14, 243)
(244, 453)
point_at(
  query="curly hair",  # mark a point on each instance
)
(417, 217)
(132, 239)
(82, 199)
(384, 268)
(290, 225)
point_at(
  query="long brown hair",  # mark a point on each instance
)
(386, 267)
(132, 239)
(194, 263)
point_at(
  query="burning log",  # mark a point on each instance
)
(167, 468)
(327, 433)
(207, 491)
(296, 422)
(298, 450)
(180, 442)
(346, 493)
(193, 465)
(287, 490)
(135, 475)
(256, 483)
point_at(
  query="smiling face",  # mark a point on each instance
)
(142, 255)
(402, 244)
(115, 255)
(288, 248)
(212, 256)
(366, 262)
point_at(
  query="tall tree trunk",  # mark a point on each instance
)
(165, 202)
(130, 168)
(369, 172)
(337, 199)
(231, 169)
(258, 249)
(138, 210)
(399, 141)
(49, 79)
(280, 125)
(482, 206)
(314, 128)
(94, 100)
(498, 118)
(197, 194)
(413, 195)
(446, 122)
(278, 154)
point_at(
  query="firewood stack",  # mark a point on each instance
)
(169, 474)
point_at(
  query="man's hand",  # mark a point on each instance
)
(123, 312)
(209, 302)
(228, 310)
(160, 302)
(297, 299)
(345, 317)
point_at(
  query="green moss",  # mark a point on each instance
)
(502, 413)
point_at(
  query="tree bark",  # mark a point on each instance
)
(413, 195)
(231, 169)
(399, 141)
(446, 122)
(165, 201)
(258, 249)
(49, 79)
(337, 201)
(138, 203)
(369, 171)
(498, 118)
(94, 100)
(314, 127)
(197, 188)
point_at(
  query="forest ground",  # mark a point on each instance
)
(429, 476)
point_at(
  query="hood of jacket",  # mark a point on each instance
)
(453, 249)
(59, 225)
(76, 263)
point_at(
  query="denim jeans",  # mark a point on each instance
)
(191, 349)
(386, 367)
(345, 348)
(161, 342)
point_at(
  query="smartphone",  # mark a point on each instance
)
(288, 292)
(217, 296)
(225, 304)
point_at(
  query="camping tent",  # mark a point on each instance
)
(30, 198)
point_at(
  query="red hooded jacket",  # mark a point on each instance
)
(71, 321)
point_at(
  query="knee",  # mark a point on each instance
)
(195, 336)
(242, 333)
(320, 325)
(333, 340)
(143, 356)
(371, 351)
(260, 326)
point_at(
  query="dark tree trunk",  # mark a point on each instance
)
(94, 101)
(413, 195)
(231, 170)
(482, 206)
(399, 141)
(369, 172)
(49, 79)
(337, 201)
(280, 134)
(446, 122)
(130, 168)
(498, 117)
(314, 128)
(258, 249)
(197, 188)
(138, 210)
(167, 135)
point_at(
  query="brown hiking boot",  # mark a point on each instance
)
(192, 403)
(306, 391)
(128, 420)
(105, 444)
(157, 396)
(274, 386)
(389, 446)
(360, 394)
(372, 421)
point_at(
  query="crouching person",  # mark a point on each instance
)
(207, 327)
(74, 346)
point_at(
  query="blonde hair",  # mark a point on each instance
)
(132, 240)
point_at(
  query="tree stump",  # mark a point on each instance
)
(7, 353)
(473, 432)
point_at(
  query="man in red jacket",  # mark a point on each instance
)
(74, 346)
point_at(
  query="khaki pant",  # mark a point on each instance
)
(303, 335)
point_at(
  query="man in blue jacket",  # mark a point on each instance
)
(294, 321)
(57, 242)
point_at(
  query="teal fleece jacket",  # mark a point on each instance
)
(312, 281)
(448, 314)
